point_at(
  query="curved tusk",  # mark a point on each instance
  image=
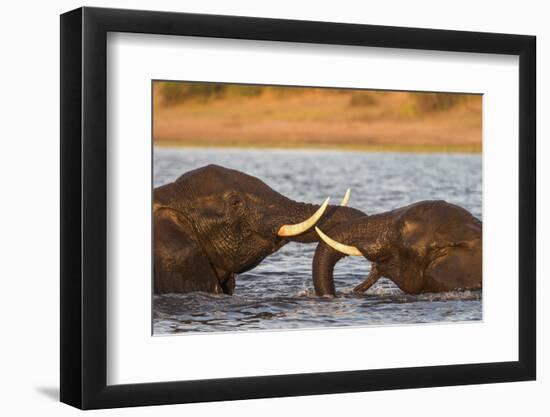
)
(345, 200)
(299, 228)
(340, 247)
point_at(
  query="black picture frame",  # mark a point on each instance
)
(84, 207)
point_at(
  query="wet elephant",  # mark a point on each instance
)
(429, 246)
(213, 223)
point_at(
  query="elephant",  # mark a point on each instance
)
(213, 223)
(428, 246)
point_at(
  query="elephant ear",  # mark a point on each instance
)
(459, 266)
(180, 264)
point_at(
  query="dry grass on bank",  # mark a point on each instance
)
(320, 118)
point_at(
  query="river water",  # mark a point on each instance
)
(278, 294)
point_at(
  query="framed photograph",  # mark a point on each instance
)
(258, 208)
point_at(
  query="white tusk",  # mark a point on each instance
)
(340, 247)
(299, 228)
(345, 200)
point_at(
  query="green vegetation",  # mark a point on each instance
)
(179, 92)
(428, 102)
(402, 148)
(175, 93)
(363, 99)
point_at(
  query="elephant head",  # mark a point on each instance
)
(429, 246)
(225, 220)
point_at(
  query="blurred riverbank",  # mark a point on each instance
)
(218, 115)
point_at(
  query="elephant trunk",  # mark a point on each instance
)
(344, 238)
(323, 268)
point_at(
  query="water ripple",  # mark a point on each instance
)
(278, 294)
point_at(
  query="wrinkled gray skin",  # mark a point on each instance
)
(213, 223)
(429, 246)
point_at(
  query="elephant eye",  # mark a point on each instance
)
(233, 200)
